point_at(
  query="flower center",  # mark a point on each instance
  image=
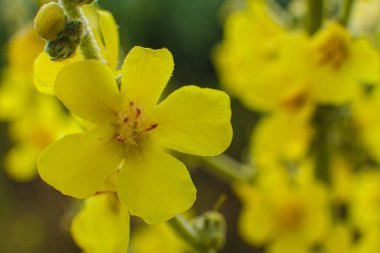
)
(333, 51)
(290, 215)
(132, 125)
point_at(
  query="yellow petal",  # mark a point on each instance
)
(46, 71)
(110, 34)
(78, 164)
(363, 63)
(89, 90)
(155, 186)
(195, 121)
(102, 225)
(145, 74)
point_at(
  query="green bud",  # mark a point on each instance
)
(211, 227)
(50, 21)
(61, 48)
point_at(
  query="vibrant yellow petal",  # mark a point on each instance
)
(102, 225)
(155, 186)
(145, 74)
(195, 121)
(78, 164)
(363, 63)
(110, 34)
(46, 71)
(89, 90)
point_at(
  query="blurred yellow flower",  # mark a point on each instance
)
(282, 137)
(44, 123)
(23, 48)
(250, 61)
(133, 132)
(338, 64)
(102, 225)
(16, 89)
(284, 215)
(267, 65)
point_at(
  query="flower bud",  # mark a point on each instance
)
(212, 229)
(50, 21)
(61, 48)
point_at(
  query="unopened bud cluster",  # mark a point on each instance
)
(61, 33)
(211, 227)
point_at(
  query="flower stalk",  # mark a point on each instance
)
(346, 12)
(187, 232)
(88, 45)
(315, 14)
(228, 168)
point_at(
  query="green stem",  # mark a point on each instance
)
(315, 15)
(88, 45)
(346, 12)
(184, 229)
(227, 168)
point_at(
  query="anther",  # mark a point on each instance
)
(138, 112)
(131, 104)
(125, 120)
(150, 128)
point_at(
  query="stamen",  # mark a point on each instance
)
(131, 104)
(125, 120)
(138, 112)
(150, 128)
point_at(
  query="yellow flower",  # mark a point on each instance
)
(23, 48)
(157, 239)
(44, 123)
(337, 64)
(106, 33)
(252, 60)
(16, 89)
(132, 132)
(266, 65)
(284, 215)
(16, 93)
(282, 137)
(102, 225)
